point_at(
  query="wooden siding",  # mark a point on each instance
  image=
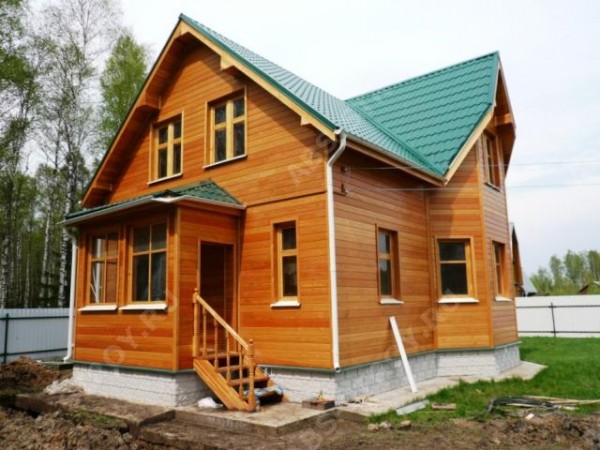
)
(503, 314)
(195, 227)
(287, 336)
(283, 158)
(131, 338)
(375, 198)
(455, 211)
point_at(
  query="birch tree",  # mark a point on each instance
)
(18, 97)
(79, 34)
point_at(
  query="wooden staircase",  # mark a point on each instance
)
(225, 362)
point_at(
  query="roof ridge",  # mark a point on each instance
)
(425, 75)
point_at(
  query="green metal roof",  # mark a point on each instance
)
(424, 121)
(435, 113)
(206, 190)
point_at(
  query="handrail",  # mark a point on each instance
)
(245, 350)
(219, 319)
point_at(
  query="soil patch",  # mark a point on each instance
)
(25, 375)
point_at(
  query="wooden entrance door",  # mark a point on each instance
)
(217, 283)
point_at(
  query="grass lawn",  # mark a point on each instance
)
(573, 372)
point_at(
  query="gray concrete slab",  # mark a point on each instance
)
(277, 419)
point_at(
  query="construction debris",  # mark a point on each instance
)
(443, 406)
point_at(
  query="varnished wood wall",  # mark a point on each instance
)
(392, 200)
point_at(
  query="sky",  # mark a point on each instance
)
(549, 53)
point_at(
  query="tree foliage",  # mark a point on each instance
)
(120, 83)
(569, 274)
(55, 108)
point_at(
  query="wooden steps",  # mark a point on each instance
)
(228, 391)
(232, 374)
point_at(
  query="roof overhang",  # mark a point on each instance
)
(148, 200)
(393, 160)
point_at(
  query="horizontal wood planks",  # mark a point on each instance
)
(374, 198)
(283, 159)
(455, 211)
(287, 336)
(142, 338)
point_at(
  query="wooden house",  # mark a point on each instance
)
(246, 228)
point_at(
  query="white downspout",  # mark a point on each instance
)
(335, 337)
(72, 298)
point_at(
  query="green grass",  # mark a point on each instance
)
(573, 372)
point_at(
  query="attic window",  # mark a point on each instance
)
(227, 130)
(492, 160)
(168, 153)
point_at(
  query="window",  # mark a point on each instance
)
(492, 160)
(287, 260)
(454, 261)
(387, 262)
(103, 268)
(150, 263)
(167, 158)
(228, 130)
(499, 272)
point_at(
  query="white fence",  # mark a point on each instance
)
(560, 316)
(36, 333)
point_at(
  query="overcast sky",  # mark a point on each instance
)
(550, 55)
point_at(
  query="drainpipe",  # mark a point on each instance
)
(72, 298)
(335, 337)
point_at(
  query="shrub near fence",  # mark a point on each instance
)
(36, 333)
(561, 316)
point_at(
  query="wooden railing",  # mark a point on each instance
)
(226, 348)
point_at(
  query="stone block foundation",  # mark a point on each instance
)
(185, 388)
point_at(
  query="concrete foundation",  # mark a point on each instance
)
(177, 389)
(153, 388)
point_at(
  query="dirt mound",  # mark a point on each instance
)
(26, 375)
(581, 432)
(59, 431)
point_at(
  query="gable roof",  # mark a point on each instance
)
(435, 113)
(206, 191)
(425, 123)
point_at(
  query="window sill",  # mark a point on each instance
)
(286, 304)
(390, 301)
(145, 307)
(170, 177)
(225, 161)
(501, 298)
(97, 308)
(446, 300)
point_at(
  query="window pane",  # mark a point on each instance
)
(96, 282)
(110, 295)
(385, 244)
(162, 163)
(159, 276)
(141, 239)
(239, 144)
(288, 238)
(159, 236)
(177, 158)
(452, 251)
(112, 245)
(289, 276)
(220, 145)
(177, 130)
(454, 279)
(238, 107)
(220, 114)
(140, 277)
(163, 135)
(385, 276)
